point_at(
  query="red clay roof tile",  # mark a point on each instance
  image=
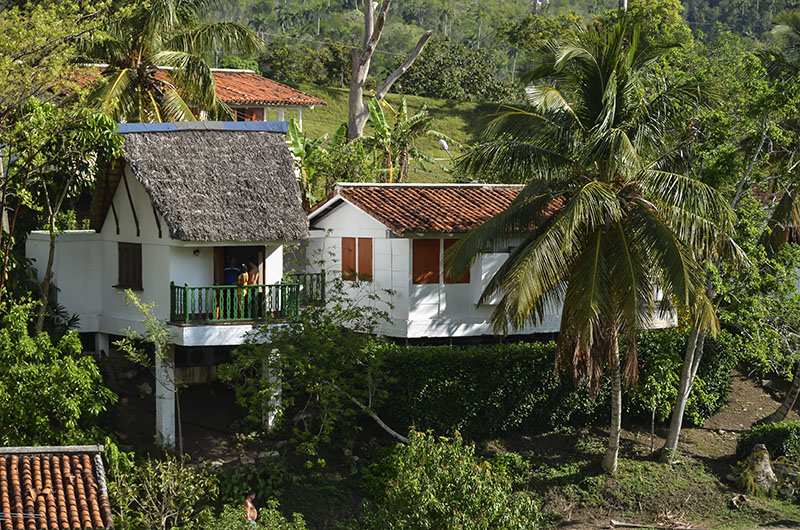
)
(239, 88)
(429, 208)
(54, 488)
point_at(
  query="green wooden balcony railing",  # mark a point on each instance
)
(234, 303)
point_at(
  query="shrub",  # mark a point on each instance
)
(781, 439)
(661, 359)
(482, 390)
(49, 393)
(440, 483)
(233, 518)
(267, 480)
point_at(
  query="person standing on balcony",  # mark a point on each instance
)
(231, 273)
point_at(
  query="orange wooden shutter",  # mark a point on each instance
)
(365, 258)
(425, 261)
(464, 278)
(348, 258)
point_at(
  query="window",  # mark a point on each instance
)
(357, 258)
(464, 278)
(241, 114)
(425, 261)
(130, 266)
(426, 257)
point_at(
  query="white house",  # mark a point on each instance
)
(393, 237)
(186, 199)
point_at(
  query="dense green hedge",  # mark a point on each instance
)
(481, 390)
(485, 390)
(781, 439)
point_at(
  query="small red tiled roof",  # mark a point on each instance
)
(248, 88)
(428, 208)
(53, 488)
(234, 87)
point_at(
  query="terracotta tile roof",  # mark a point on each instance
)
(428, 208)
(247, 88)
(53, 488)
(233, 87)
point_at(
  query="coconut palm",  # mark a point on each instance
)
(603, 224)
(157, 70)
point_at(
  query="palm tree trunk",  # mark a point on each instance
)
(788, 401)
(610, 460)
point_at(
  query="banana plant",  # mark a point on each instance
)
(395, 143)
(304, 149)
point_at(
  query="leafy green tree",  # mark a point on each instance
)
(602, 223)
(59, 149)
(451, 70)
(158, 494)
(165, 33)
(37, 48)
(50, 394)
(440, 483)
(324, 366)
(304, 149)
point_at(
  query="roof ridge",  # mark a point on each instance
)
(425, 185)
(51, 449)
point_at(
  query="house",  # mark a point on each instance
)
(254, 98)
(250, 96)
(393, 238)
(186, 200)
(58, 488)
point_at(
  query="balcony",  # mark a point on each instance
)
(219, 304)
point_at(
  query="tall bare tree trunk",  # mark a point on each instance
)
(691, 361)
(788, 401)
(623, 7)
(48, 278)
(373, 29)
(612, 452)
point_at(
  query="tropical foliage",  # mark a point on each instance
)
(602, 223)
(157, 69)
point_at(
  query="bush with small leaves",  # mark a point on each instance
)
(781, 439)
(233, 518)
(436, 482)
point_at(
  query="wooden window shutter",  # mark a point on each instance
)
(129, 266)
(464, 278)
(365, 258)
(425, 261)
(348, 258)
(219, 265)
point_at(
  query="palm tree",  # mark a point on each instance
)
(602, 224)
(169, 34)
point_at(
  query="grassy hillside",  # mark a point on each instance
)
(462, 121)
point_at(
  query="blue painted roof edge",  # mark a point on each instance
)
(264, 126)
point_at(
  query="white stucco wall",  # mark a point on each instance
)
(433, 310)
(86, 270)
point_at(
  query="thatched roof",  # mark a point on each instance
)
(218, 181)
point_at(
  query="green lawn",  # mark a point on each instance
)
(462, 121)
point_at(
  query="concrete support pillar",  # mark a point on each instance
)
(281, 114)
(300, 118)
(165, 400)
(102, 344)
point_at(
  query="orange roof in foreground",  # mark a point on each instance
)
(234, 87)
(427, 208)
(57, 488)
